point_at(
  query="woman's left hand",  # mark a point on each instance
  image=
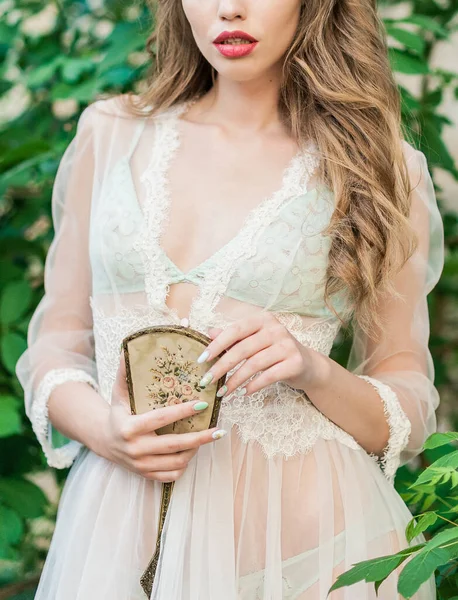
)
(267, 346)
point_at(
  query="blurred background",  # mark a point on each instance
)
(58, 56)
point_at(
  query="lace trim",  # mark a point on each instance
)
(399, 424)
(319, 336)
(294, 182)
(64, 456)
(155, 179)
(110, 330)
(279, 417)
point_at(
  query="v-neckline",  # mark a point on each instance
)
(290, 173)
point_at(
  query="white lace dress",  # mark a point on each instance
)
(287, 500)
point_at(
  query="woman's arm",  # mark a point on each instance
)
(386, 398)
(350, 402)
(58, 370)
(60, 344)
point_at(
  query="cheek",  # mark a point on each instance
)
(198, 14)
(281, 22)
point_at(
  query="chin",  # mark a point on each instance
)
(239, 72)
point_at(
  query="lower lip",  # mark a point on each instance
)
(236, 50)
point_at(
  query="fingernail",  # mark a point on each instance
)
(222, 390)
(200, 405)
(220, 433)
(240, 391)
(203, 357)
(206, 379)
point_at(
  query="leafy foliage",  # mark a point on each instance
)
(55, 57)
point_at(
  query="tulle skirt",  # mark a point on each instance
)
(239, 527)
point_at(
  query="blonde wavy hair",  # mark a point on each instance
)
(338, 90)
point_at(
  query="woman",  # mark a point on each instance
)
(261, 192)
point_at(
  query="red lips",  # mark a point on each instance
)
(234, 34)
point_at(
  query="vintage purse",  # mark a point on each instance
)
(162, 370)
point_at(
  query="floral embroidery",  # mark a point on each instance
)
(174, 380)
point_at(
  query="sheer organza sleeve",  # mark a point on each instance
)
(60, 335)
(399, 365)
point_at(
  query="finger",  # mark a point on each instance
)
(245, 349)
(277, 372)
(164, 462)
(261, 361)
(170, 443)
(159, 417)
(234, 333)
(164, 476)
(212, 332)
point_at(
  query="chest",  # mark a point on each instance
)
(261, 240)
(211, 189)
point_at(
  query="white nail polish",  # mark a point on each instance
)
(220, 433)
(203, 356)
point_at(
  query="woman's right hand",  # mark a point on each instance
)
(132, 442)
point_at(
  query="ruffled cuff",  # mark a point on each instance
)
(63, 456)
(399, 425)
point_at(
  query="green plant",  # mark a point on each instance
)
(435, 486)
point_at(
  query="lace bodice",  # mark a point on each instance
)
(110, 229)
(279, 236)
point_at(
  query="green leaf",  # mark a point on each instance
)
(86, 91)
(44, 73)
(10, 418)
(24, 497)
(420, 524)
(7, 34)
(117, 76)
(124, 39)
(405, 62)
(454, 477)
(409, 102)
(15, 301)
(73, 68)
(12, 346)
(11, 526)
(449, 461)
(438, 551)
(426, 23)
(410, 40)
(428, 502)
(24, 151)
(438, 154)
(440, 439)
(433, 474)
(434, 98)
(373, 570)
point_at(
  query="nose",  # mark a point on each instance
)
(231, 9)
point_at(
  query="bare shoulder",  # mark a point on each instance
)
(416, 162)
(412, 155)
(121, 106)
(117, 106)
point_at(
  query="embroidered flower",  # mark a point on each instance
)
(169, 382)
(174, 400)
(186, 389)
